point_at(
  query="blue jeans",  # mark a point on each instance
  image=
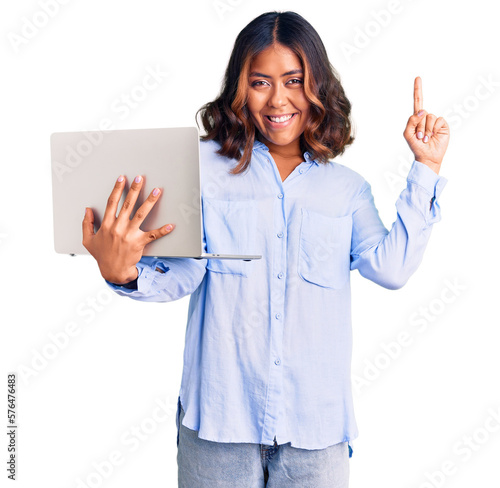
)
(207, 464)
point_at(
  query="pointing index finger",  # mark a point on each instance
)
(418, 99)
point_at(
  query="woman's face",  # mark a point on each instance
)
(276, 99)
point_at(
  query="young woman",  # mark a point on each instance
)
(266, 390)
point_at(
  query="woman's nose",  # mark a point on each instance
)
(277, 97)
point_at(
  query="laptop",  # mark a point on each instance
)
(86, 164)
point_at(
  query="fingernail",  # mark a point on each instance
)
(169, 227)
(420, 135)
(138, 179)
(420, 112)
(120, 179)
(426, 139)
(156, 192)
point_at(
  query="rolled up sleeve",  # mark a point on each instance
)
(164, 279)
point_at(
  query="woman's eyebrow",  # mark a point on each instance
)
(288, 73)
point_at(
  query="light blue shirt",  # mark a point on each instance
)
(268, 342)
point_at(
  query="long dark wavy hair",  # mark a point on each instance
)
(227, 120)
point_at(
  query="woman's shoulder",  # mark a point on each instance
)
(209, 155)
(212, 163)
(343, 172)
(209, 147)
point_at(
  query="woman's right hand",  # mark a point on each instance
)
(118, 245)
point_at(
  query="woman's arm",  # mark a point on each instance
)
(390, 258)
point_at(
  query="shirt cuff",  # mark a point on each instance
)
(425, 177)
(425, 188)
(152, 273)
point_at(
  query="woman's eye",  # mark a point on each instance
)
(296, 81)
(259, 83)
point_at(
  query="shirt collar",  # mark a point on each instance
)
(307, 157)
(260, 145)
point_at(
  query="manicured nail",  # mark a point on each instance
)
(156, 192)
(426, 138)
(120, 179)
(169, 227)
(420, 135)
(138, 179)
(420, 112)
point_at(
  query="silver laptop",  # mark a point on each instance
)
(85, 166)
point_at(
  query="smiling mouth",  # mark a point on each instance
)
(280, 119)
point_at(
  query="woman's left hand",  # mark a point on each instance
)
(426, 134)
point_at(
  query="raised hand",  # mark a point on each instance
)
(118, 245)
(426, 134)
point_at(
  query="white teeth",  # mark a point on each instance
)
(281, 119)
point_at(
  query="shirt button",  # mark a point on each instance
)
(301, 170)
(280, 195)
(278, 316)
(280, 234)
(280, 275)
(277, 362)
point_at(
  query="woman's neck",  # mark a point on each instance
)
(289, 153)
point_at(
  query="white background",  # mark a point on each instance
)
(81, 404)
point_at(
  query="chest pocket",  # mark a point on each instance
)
(230, 228)
(324, 249)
